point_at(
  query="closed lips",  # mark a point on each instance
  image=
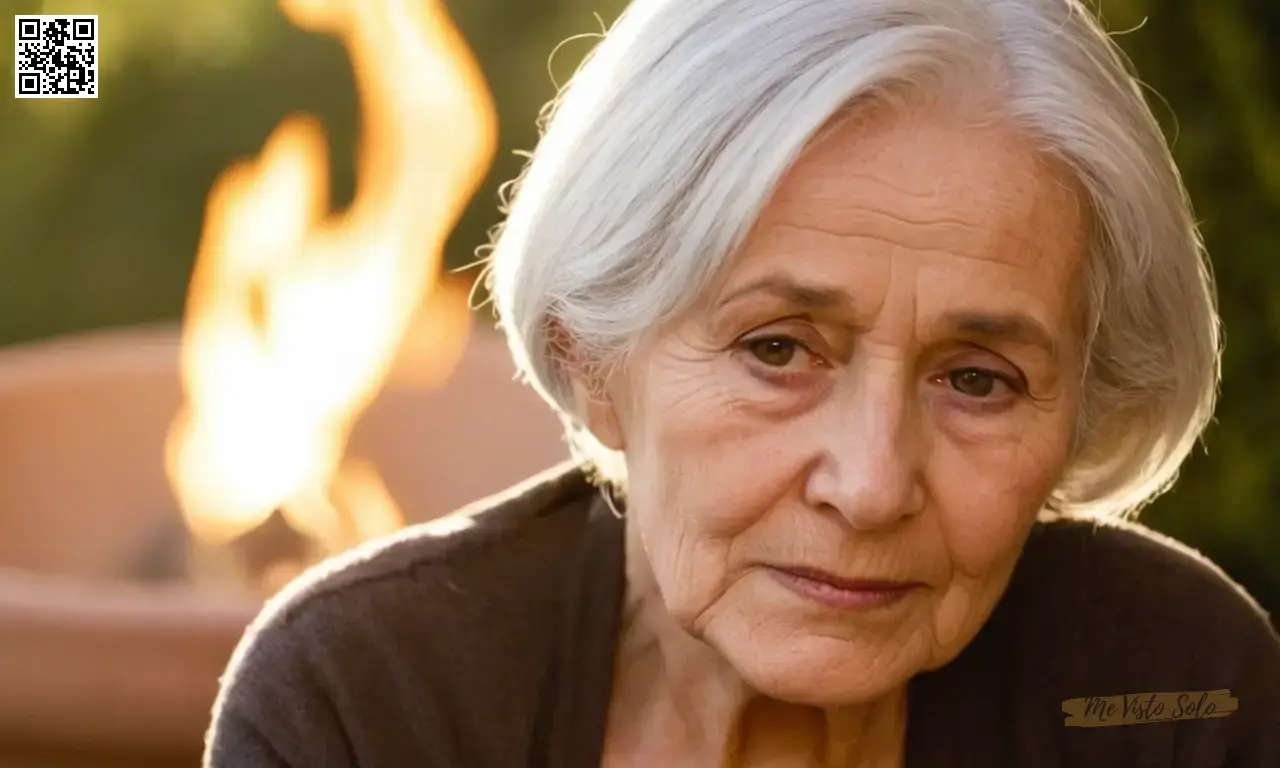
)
(846, 584)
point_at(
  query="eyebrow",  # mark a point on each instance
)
(793, 292)
(1011, 327)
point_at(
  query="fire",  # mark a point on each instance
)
(295, 315)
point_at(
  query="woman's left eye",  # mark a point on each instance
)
(976, 382)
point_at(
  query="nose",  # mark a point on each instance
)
(869, 465)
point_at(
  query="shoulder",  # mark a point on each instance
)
(516, 532)
(458, 609)
(492, 561)
(1087, 570)
(1109, 608)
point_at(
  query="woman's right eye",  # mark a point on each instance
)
(774, 351)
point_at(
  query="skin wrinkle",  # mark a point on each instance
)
(926, 223)
(832, 300)
(856, 455)
(812, 228)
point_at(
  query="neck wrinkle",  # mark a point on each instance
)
(666, 673)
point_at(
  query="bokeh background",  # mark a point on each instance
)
(101, 209)
(101, 201)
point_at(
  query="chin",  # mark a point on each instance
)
(817, 670)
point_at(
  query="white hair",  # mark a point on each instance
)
(659, 154)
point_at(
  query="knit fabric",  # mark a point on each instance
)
(491, 646)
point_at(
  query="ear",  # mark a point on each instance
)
(599, 412)
(594, 392)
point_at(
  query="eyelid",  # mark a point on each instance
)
(797, 372)
(779, 335)
(796, 328)
(995, 373)
(995, 402)
(976, 357)
(1014, 381)
(751, 340)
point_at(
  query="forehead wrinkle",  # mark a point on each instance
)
(1021, 193)
(868, 229)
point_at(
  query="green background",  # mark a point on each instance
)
(101, 200)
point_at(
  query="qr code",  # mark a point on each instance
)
(57, 57)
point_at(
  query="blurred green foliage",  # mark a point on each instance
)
(102, 200)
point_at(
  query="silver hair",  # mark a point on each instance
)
(659, 154)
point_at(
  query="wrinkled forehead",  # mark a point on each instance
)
(933, 184)
(979, 188)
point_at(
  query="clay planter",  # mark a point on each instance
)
(99, 667)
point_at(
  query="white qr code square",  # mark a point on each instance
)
(57, 57)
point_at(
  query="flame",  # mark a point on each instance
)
(295, 316)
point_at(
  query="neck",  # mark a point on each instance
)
(678, 702)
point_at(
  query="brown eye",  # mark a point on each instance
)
(973, 382)
(775, 351)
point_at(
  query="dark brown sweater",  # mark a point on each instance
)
(492, 647)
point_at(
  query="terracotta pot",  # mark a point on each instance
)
(99, 670)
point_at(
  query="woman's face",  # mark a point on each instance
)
(835, 459)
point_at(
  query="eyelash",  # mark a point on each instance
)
(750, 345)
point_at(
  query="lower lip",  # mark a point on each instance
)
(839, 597)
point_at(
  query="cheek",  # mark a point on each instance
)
(987, 501)
(700, 457)
(990, 490)
(702, 472)
(689, 563)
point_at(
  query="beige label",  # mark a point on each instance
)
(1134, 708)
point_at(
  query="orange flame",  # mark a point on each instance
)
(295, 316)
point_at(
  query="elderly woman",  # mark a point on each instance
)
(869, 321)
